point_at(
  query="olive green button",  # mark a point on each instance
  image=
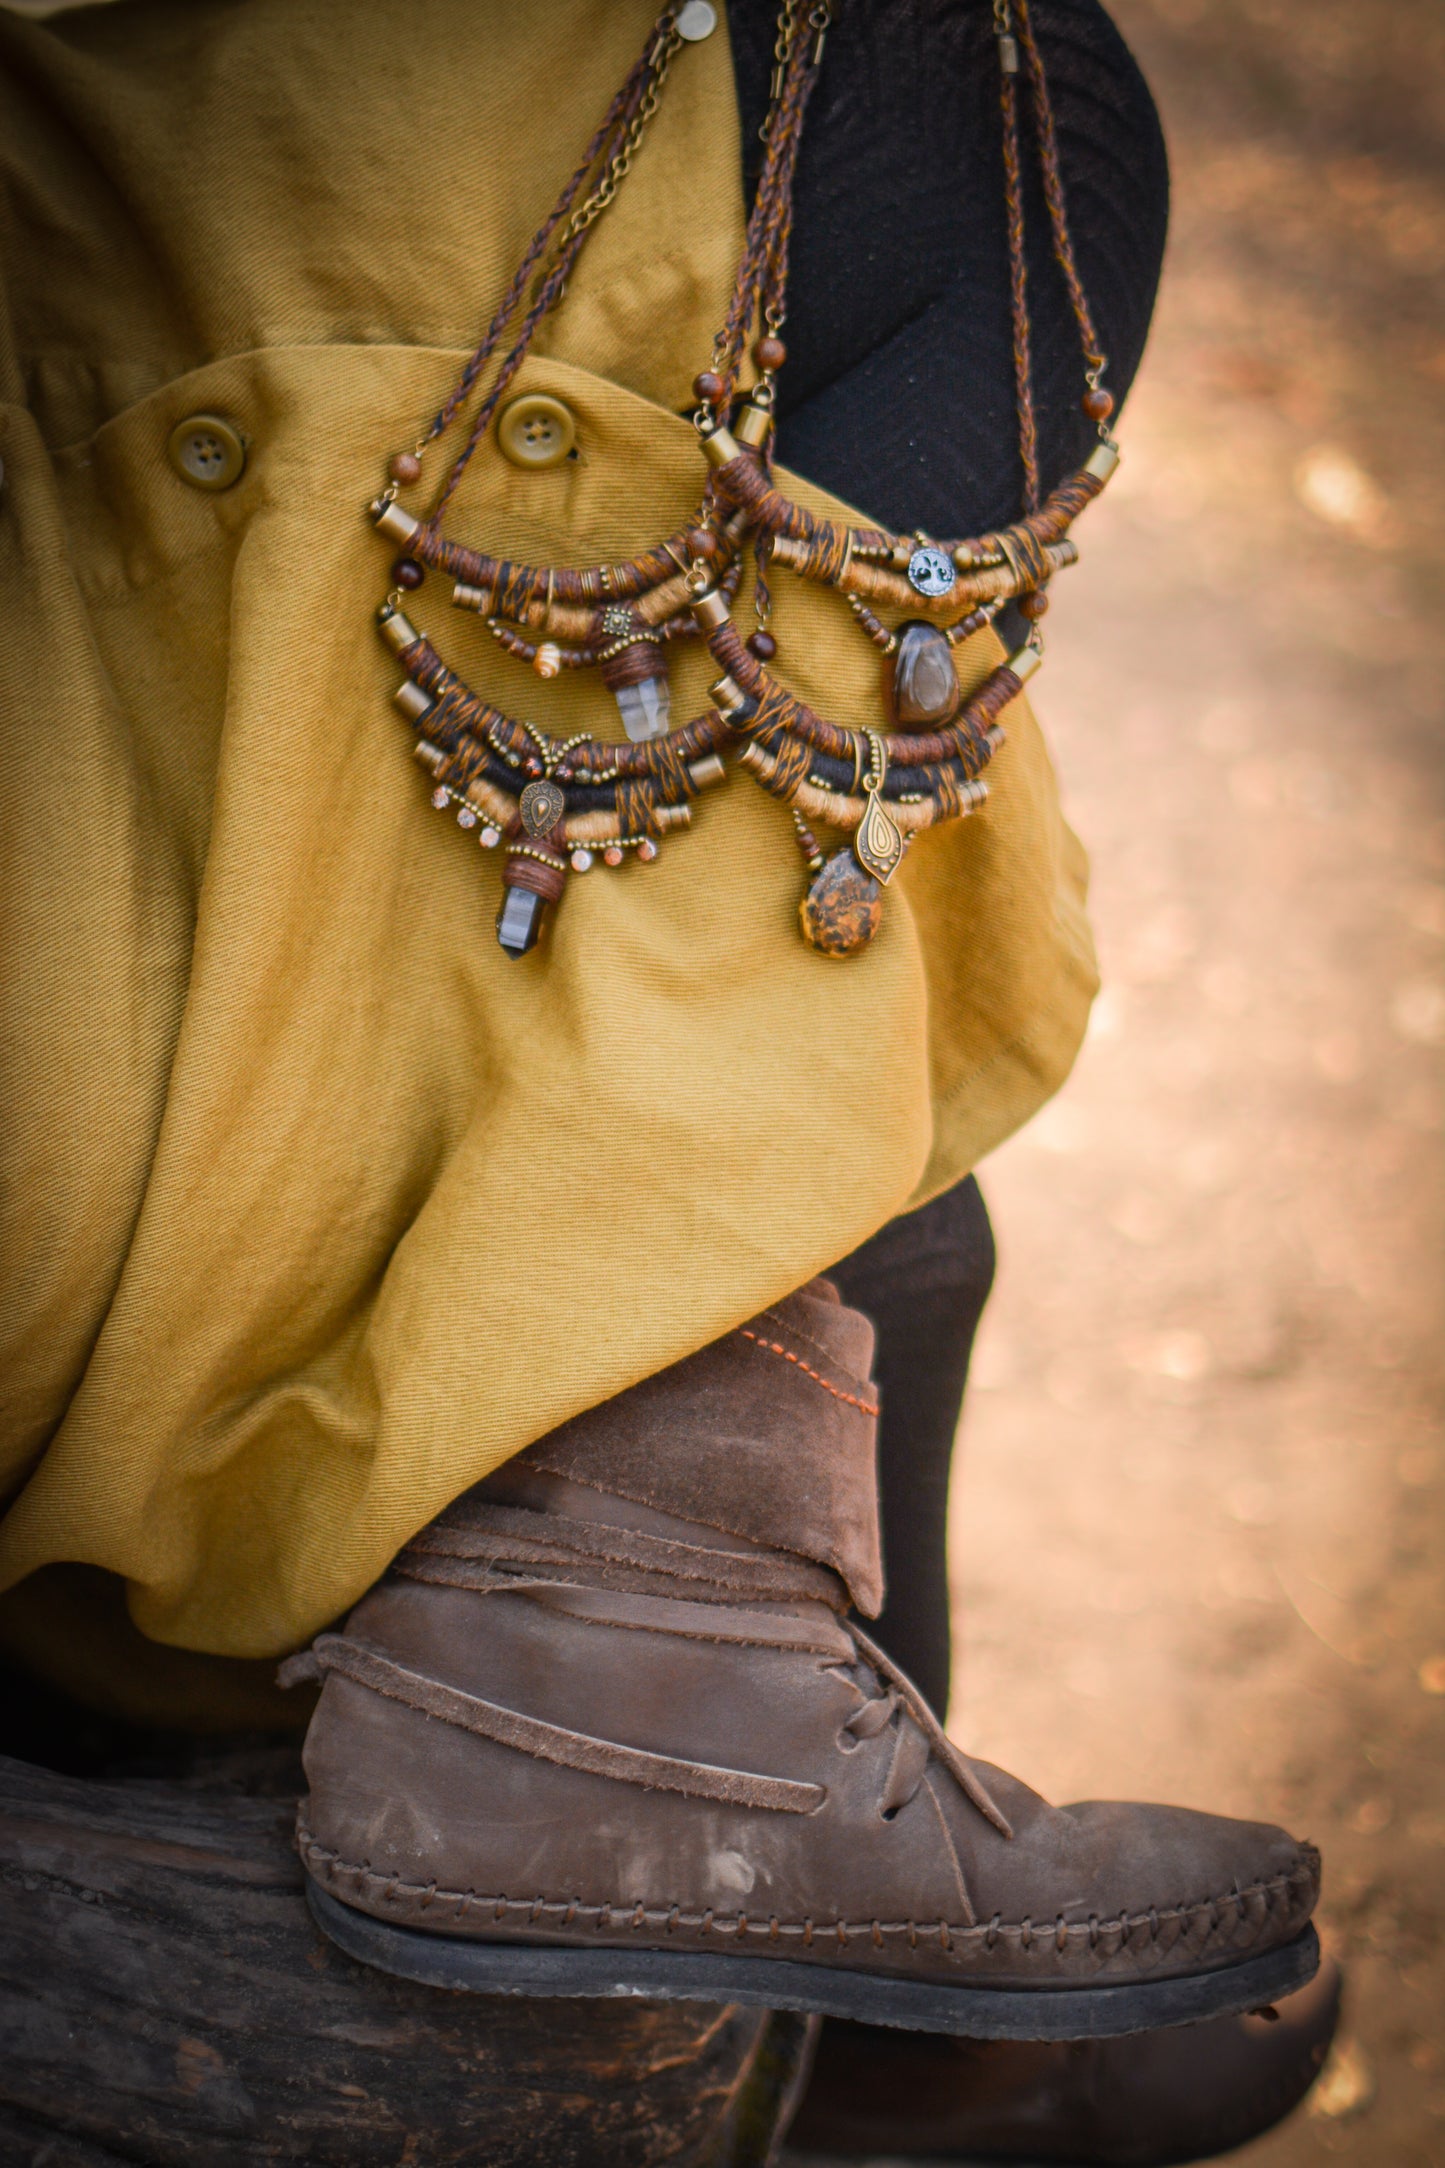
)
(207, 451)
(536, 430)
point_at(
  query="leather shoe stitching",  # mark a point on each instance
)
(1280, 1889)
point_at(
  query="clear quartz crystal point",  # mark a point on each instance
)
(645, 709)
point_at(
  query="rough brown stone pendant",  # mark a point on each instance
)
(922, 684)
(843, 906)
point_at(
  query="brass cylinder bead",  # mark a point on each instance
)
(720, 446)
(396, 630)
(1102, 461)
(394, 522)
(729, 699)
(672, 816)
(789, 550)
(431, 756)
(710, 610)
(1024, 663)
(412, 701)
(707, 771)
(753, 426)
(471, 598)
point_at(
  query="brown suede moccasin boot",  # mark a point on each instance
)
(1185, 2094)
(607, 1729)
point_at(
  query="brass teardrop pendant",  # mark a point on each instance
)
(878, 845)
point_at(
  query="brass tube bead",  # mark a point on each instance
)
(753, 426)
(397, 631)
(710, 610)
(721, 447)
(412, 701)
(392, 521)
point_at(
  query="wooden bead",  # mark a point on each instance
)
(770, 352)
(405, 467)
(763, 645)
(406, 572)
(1097, 403)
(1033, 606)
(708, 386)
(701, 542)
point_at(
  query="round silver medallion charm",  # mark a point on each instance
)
(930, 571)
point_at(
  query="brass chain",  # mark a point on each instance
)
(620, 164)
(782, 47)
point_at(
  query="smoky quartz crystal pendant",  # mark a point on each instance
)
(519, 921)
(922, 683)
(635, 673)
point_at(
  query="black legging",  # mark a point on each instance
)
(923, 1279)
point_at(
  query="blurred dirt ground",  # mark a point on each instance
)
(1197, 1526)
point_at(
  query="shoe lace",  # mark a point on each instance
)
(905, 1775)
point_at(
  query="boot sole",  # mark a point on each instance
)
(462, 1962)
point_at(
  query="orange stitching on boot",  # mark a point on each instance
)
(775, 1347)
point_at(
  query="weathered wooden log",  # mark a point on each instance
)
(166, 2002)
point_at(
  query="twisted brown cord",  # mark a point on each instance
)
(1054, 188)
(762, 275)
(1018, 291)
(616, 113)
(609, 139)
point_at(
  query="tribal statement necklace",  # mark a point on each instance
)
(558, 805)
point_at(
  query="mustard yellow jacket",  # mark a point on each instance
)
(315, 1205)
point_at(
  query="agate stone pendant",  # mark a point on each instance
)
(841, 911)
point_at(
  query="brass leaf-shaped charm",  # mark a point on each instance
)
(878, 845)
